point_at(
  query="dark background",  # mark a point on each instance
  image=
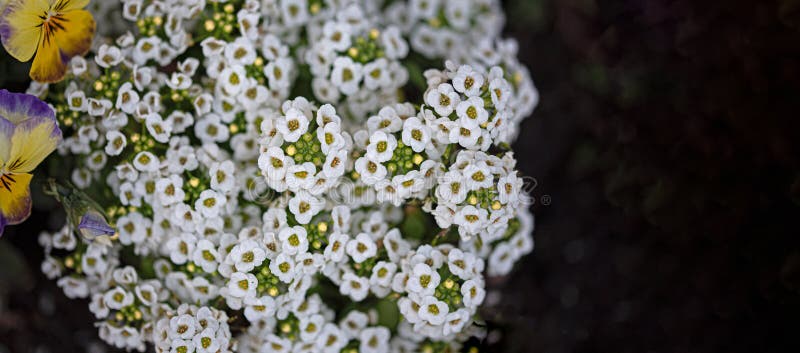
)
(667, 157)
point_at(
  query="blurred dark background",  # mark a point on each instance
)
(667, 155)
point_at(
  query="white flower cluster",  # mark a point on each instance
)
(270, 188)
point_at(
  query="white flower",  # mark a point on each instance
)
(330, 136)
(335, 162)
(182, 327)
(279, 73)
(460, 263)
(361, 248)
(98, 306)
(470, 220)
(353, 323)
(468, 81)
(146, 162)
(376, 74)
(273, 163)
(443, 99)
(169, 190)
(466, 135)
(408, 184)
(371, 172)
(340, 216)
(394, 45)
(309, 263)
(127, 98)
(206, 341)
(293, 125)
(294, 240)
(382, 274)
(423, 9)
(210, 203)
(118, 298)
(116, 142)
(423, 280)
(433, 310)
(346, 75)
(416, 134)
(335, 250)
(206, 255)
(294, 12)
(471, 111)
(374, 340)
(232, 79)
(396, 246)
(478, 176)
(240, 52)
(452, 188)
(222, 176)
(502, 259)
(181, 248)
(325, 90)
(76, 100)
(210, 128)
(473, 293)
(337, 35)
(456, 321)
(509, 189)
(354, 286)
(381, 146)
(388, 192)
(259, 308)
(247, 255)
(500, 92)
(331, 339)
(274, 219)
(301, 176)
(304, 206)
(179, 345)
(272, 48)
(108, 56)
(310, 327)
(387, 120)
(284, 267)
(242, 285)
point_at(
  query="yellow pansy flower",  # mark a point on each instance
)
(28, 134)
(53, 30)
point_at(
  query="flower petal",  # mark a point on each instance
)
(69, 5)
(49, 65)
(6, 131)
(76, 38)
(15, 197)
(33, 140)
(21, 27)
(93, 225)
(18, 107)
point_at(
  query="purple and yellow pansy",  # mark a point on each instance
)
(52, 30)
(28, 133)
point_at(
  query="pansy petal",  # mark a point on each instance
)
(6, 131)
(33, 140)
(21, 27)
(93, 225)
(49, 65)
(18, 107)
(69, 5)
(76, 38)
(15, 197)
